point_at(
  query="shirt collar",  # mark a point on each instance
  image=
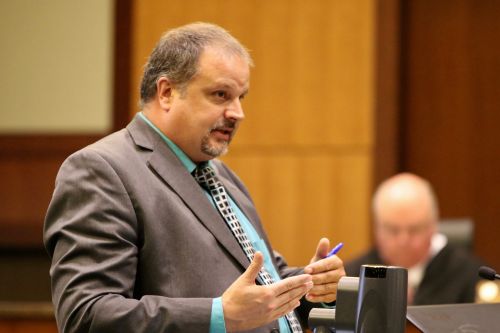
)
(185, 160)
(416, 273)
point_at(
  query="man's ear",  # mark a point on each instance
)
(164, 89)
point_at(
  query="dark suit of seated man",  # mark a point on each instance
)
(406, 214)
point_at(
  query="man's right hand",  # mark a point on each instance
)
(247, 305)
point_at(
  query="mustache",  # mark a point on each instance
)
(224, 123)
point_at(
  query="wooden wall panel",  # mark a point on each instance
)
(450, 107)
(29, 161)
(302, 197)
(387, 90)
(313, 79)
(28, 167)
(305, 148)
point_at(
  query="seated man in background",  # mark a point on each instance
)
(406, 215)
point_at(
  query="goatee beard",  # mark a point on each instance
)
(213, 150)
(218, 148)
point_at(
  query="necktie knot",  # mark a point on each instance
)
(205, 176)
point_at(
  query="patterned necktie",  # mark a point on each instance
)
(206, 177)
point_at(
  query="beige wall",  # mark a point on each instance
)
(305, 148)
(56, 66)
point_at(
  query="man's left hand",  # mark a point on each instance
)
(326, 273)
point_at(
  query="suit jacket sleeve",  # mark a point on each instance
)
(91, 233)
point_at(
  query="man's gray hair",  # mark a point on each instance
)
(177, 53)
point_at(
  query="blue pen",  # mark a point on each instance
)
(335, 250)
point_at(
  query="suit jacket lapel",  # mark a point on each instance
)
(168, 167)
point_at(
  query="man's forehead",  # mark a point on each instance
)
(410, 225)
(220, 58)
(219, 70)
(404, 224)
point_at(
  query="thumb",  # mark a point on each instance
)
(253, 269)
(321, 249)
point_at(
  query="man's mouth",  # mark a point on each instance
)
(222, 133)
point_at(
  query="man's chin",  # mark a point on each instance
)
(214, 151)
(405, 264)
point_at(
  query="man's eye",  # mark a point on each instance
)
(220, 94)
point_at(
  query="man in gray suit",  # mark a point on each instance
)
(138, 245)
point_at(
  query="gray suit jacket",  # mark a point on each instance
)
(135, 244)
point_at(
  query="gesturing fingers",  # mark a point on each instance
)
(327, 298)
(288, 300)
(325, 275)
(328, 277)
(285, 308)
(324, 265)
(294, 293)
(247, 305)
(322, 293)
(291, 283)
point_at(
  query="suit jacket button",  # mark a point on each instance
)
(274, 330)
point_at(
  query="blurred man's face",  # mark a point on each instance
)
(404, 229)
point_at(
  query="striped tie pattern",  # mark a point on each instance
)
(205, 176)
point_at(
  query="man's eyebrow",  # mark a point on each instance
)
(224, 84)
(230, 86)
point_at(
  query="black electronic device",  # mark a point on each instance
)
(375, 302)
(488, 273)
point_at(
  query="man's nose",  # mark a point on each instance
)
(235, 110)
(403, 238)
